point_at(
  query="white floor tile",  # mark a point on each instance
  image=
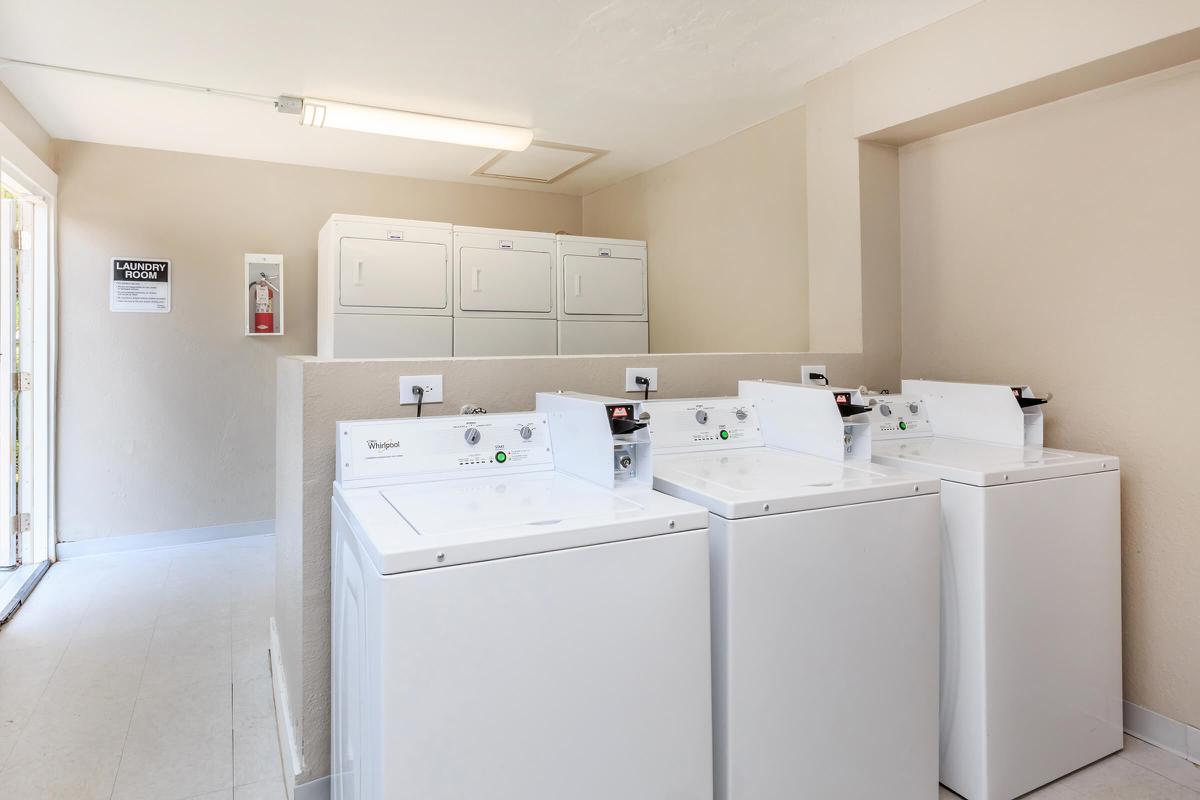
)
(1117, 778)
(24, 675)
(180, 743)
(1170, 766)
(223, 794)
(189, 652)
(253, 699)
(81, 773)
(256, 752)
(263, 790)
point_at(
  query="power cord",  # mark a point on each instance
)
(419, 393)
(816, 376)
(642, 381)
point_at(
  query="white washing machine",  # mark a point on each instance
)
(603, 305)
(824, 596)
(383, 288)
(1031, 606)
(504, 629)
(504, 293)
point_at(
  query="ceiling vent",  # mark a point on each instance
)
(541, 162)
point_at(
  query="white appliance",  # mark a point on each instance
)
(1031, 603)
(504, 629)
(504, 297)
(383, 288)
(824, 596)
(602, 296)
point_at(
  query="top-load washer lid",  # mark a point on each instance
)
(985, 464)
(432, 524)
(756, 481)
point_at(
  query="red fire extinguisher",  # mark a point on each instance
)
(262, 295)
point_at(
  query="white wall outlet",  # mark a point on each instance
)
(809, 369)
(432, 384)
(631, 374)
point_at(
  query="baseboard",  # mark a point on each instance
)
(160, 539)
(292, 763)
(1161, 731)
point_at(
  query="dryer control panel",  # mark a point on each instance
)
(711, 423)
(453, 446)
(898, 416)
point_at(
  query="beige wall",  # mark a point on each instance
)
(991, 59)
(1059, 247)
(726, 227)
(314, 394)
(166, 421)
(22, 124)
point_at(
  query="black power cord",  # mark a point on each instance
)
(419, 393)
(816, 376)
(641, 381)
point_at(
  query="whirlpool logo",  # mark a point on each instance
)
(382, 446)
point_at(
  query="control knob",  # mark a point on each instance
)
(885, 409)
(913, 407)
(741, 414)
(526, 432)
(702, 417)
(472, 436)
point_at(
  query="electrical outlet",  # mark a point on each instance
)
(631, 373)
(432, 384)
(805, 371)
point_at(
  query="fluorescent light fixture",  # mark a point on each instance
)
(410, 125)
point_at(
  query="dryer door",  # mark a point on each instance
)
(604, 285)
(381, 273)
(503, 280)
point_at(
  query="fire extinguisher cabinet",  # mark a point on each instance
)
(263, 294)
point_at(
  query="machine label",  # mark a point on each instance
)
(140, 285)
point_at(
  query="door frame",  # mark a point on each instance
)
(24, 167)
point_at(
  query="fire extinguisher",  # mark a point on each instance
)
(262, 295)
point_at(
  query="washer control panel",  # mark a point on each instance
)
(898, 416)
(403, 448)
(703, 424)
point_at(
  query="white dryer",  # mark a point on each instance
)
(504, 297)
(504, 629)
(824, 596)
(603, 306)
(1031, 604)
(383, 288)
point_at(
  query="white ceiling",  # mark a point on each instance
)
(647, 80)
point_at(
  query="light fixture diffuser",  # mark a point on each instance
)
(410, 125)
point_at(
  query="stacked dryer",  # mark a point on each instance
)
(504, 293)
(383, 288)
(396, 288)
(602, 296)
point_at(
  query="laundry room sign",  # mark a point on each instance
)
(140, 285)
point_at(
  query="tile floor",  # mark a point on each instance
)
(143, 676)
(1139, 772)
